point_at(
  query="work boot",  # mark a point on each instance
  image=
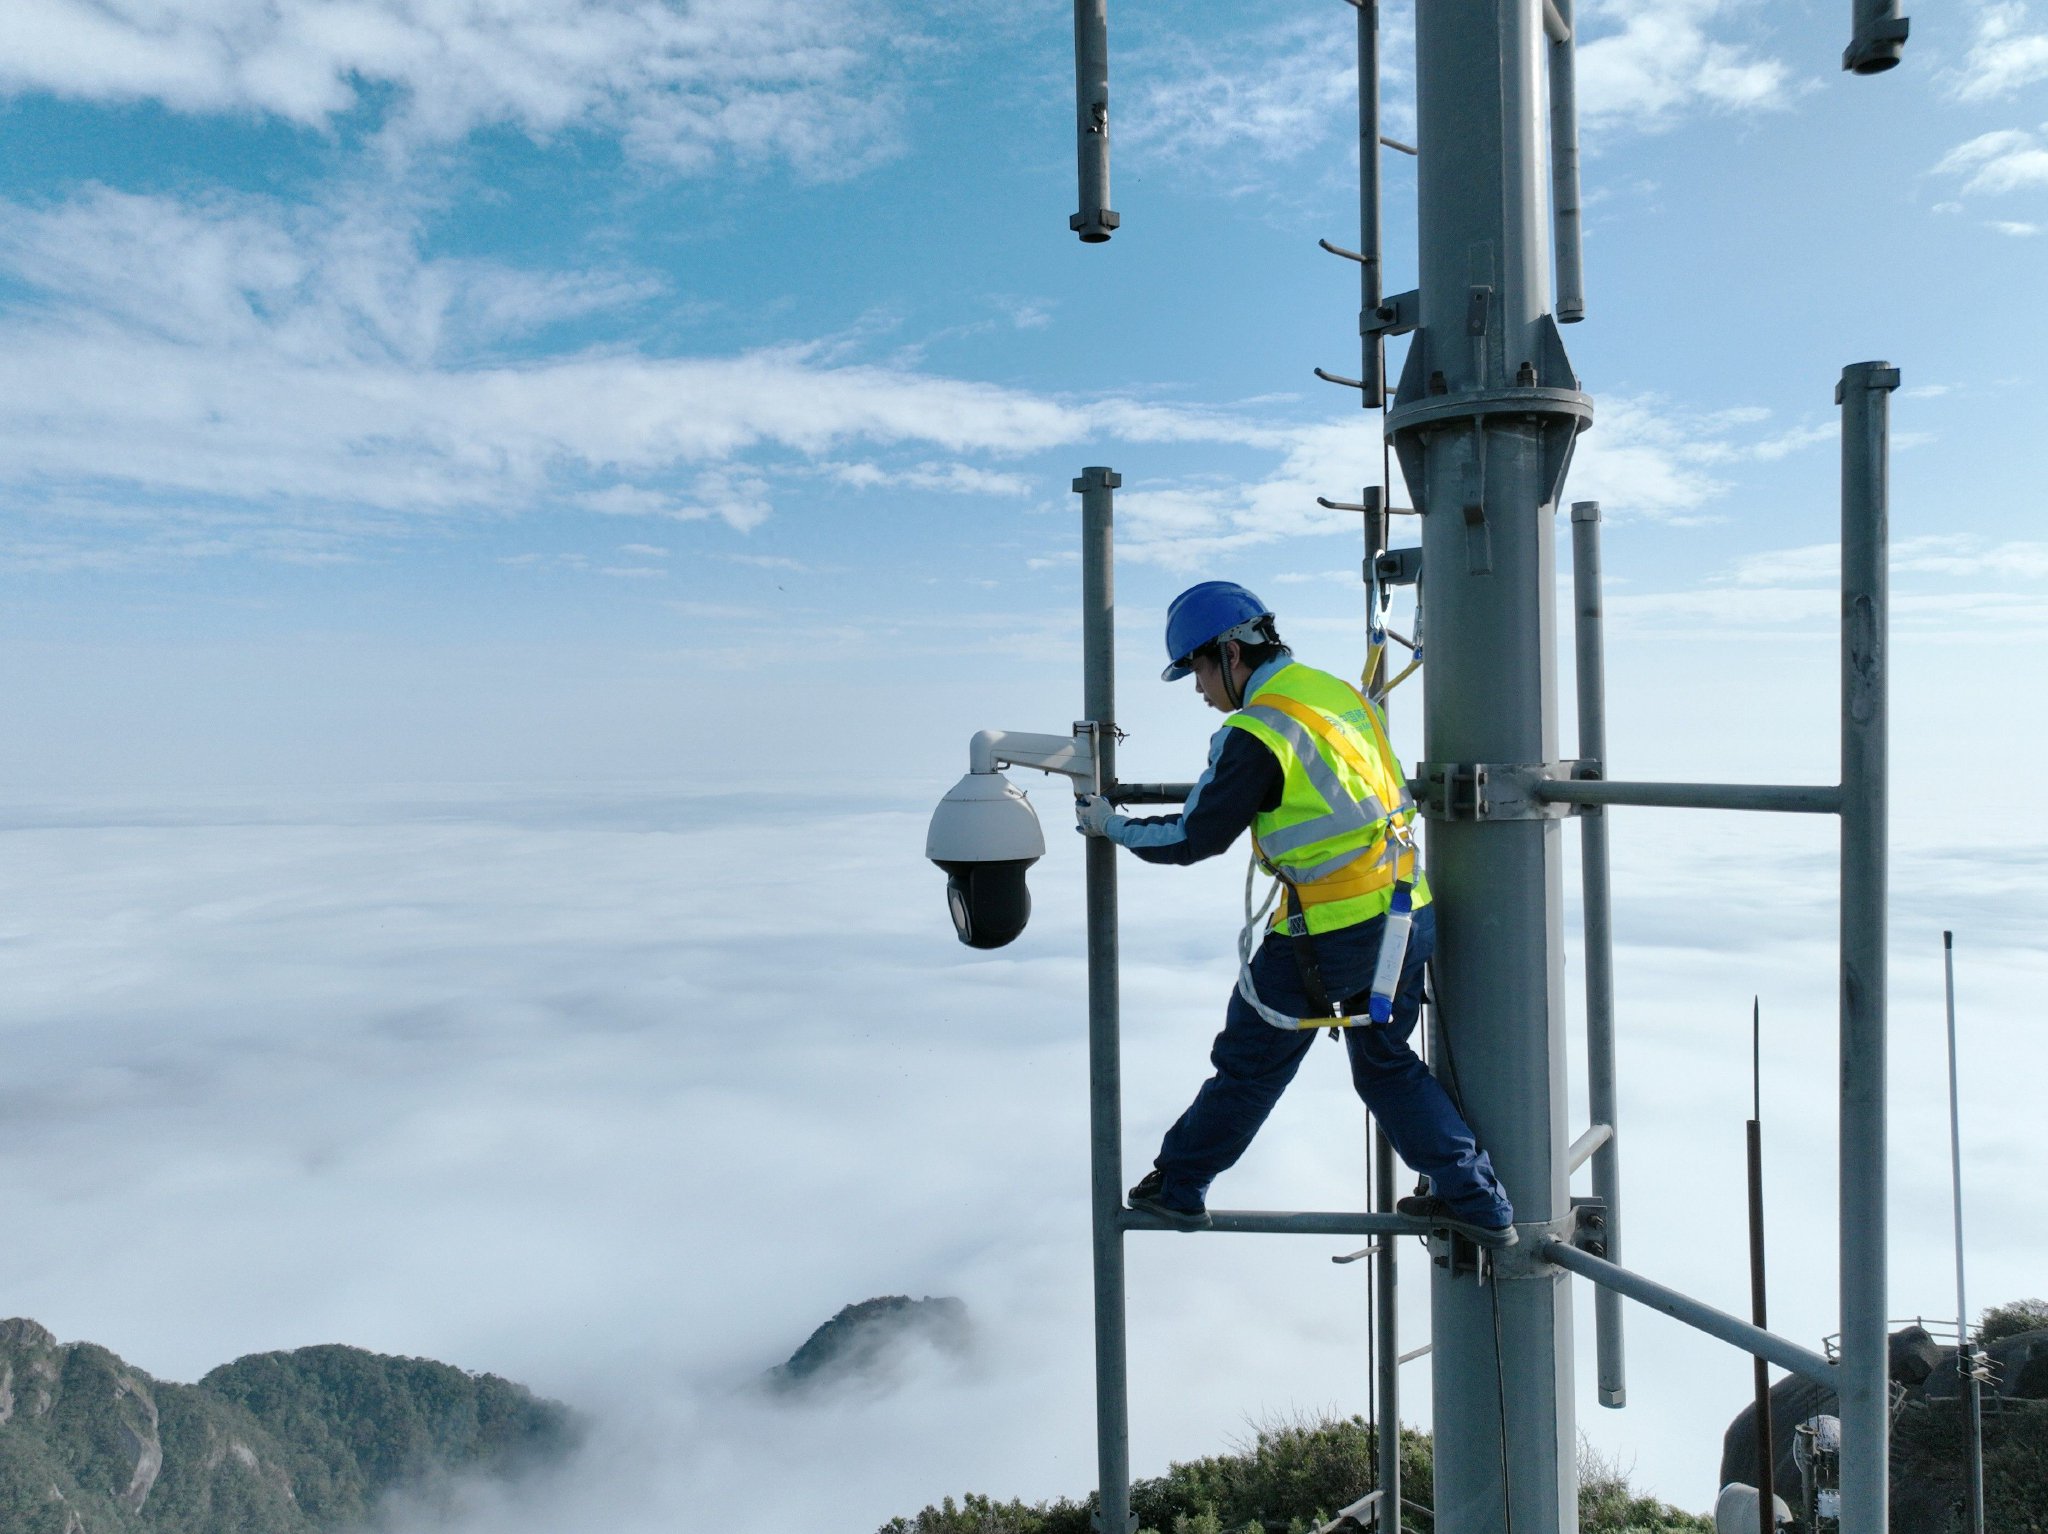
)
(1427, 1206)
(1147, 1196)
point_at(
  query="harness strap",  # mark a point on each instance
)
(1296, 927)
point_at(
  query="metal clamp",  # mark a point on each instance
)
(1397, 314)
(1398, 567)
(1491, 790)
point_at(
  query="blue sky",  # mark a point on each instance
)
(555, 416)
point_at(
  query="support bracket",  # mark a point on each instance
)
(1491, 790)
(1399, 567)
(1397, 314)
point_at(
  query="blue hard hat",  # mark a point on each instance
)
(1204, 614)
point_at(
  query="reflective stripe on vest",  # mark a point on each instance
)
(1341, 786)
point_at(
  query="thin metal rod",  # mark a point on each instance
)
(1864, 395)
(1602, 1093)
(1795, 799)
(1966, 1353)
(1781, 1351)
(1096, 487)
(1586, 1144)
(1095, 220)
(1265, 1222)
(1372, 348)
(1387, 1322)
(1394, 143)
(1564, 159)
(1766, 1466)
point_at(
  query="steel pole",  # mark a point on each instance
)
(1483, 422)
(1595, 894)
(1372, 370)
(1387, 1271)
(1097, 487)
(1863, 395)
(1094, 221)
(1966, 1354)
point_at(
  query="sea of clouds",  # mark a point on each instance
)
(620, 1090)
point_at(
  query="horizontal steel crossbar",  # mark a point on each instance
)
(1336, 1222)
(1786, 1354)
(1583, 1147)
(1798, 799)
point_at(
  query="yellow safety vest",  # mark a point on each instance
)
(1343, 789)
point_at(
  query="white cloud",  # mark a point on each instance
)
(2004, 54)
(1665, 60)
(681, 85)
(234, 354)
(948, 478)
(2004, 160)
(2018, 231)
(1279, 91)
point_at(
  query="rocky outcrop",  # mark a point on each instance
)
(872, 1340)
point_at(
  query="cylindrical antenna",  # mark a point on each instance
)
(1966, 1354)
(1091, 120)
(1596, 901)
(1766, 1452)
(1877, 36)
(1564, 159)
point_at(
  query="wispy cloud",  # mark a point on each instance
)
(239, 356)
(2005, 54)
(681, 86)
(1645, 63)
(2004, 160)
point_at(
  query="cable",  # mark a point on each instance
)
(1500, 1386)
(1500, 1401)
(1372, 1325)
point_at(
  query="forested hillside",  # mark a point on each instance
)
(276, 1443)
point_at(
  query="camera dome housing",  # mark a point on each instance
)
(984, 834)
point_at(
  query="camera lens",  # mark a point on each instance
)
(988, 901)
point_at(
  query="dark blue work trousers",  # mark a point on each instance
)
(1254, 1061)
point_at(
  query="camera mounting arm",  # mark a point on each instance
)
(1071, 756)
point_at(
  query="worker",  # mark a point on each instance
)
(1303, 760)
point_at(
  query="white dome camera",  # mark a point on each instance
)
(984, 834)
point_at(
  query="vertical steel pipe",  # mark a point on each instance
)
(1372, 369)
(1877, 36)
(1966, 1353)
(1864, 395)
(1596, 898)
(1094, 221)
(1564, 167)
(1486, 480)
(1387, 1323)
(1097, 487)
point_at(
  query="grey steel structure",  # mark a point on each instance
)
(1483, 422)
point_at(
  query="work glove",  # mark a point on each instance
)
(1094, 817)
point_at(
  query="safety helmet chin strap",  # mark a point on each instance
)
(1251, 632)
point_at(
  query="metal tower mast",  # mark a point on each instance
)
(1484, 421)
